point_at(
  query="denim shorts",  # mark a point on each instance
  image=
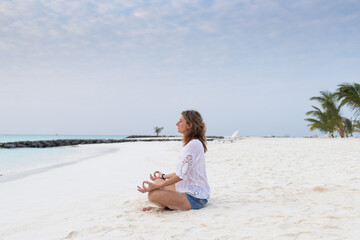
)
(196, 203)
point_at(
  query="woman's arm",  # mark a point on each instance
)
(153, 186)
(169, 175)
(172, 180)
(159, 175)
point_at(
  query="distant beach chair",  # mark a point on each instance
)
(231, 138)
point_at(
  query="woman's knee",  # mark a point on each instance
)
(152, 195)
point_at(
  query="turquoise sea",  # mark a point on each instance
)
(21, 160)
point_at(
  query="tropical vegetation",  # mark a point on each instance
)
(349, 94)
(328, 118)
(158, 130)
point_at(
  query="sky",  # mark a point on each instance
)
(121, 67)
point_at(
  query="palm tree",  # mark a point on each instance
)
(356, 126)
(331, 116)
(350, 96)
(158, 130)
(349, 127)
(321, 121)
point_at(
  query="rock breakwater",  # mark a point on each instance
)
(70, 142)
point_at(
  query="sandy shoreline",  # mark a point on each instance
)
(261, 188)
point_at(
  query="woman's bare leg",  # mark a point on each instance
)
(153, 197)
(171, 199)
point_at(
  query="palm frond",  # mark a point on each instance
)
(348, 126)
(356, 125)
(329, 119)
(349, 94)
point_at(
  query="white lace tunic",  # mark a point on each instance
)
(191, 169)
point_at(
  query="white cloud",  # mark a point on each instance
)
(141, 14)
(6, 10)
(5, 46)
(75, 28)
(208, 27)
(126, 4)
(105, 7)
(240, 24)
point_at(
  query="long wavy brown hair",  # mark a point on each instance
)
(197, 129)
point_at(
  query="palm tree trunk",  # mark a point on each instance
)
(341, 129)
(341, 132)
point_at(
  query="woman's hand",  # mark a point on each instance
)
(150, 187)
(157, 175)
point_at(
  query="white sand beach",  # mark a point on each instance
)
(261, 188)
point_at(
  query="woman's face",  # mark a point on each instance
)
(182, 125)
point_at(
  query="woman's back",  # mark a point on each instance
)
(191, 168)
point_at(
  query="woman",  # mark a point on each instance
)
(187, 188)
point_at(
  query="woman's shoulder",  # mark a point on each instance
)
(195, 144)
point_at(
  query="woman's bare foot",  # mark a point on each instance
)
(147, 208)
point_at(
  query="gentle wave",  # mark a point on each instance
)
(33, 161)
(21, 160)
